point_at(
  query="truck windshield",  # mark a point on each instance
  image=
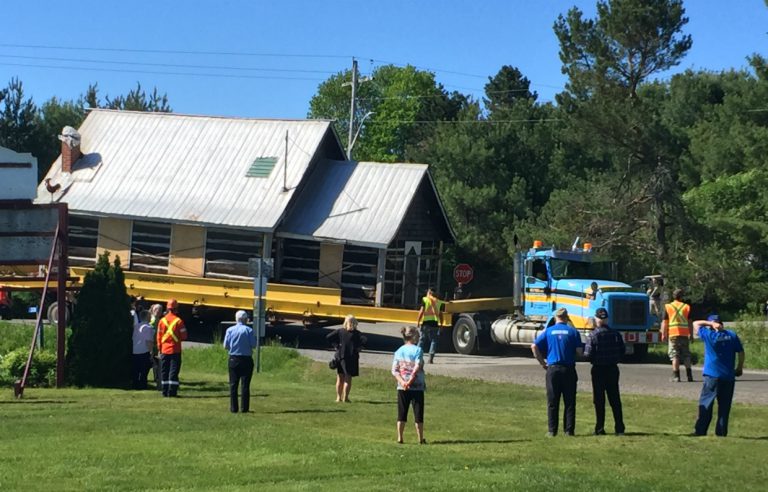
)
(601, 270)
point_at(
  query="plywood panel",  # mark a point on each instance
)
(115, 237)
(331, 259)
(187, 250)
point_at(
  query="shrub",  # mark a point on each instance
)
(99, 351)
(42, 372)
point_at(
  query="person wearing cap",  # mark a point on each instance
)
(604, 349)
(677, 327)
(170, 333)
(721, 347)
(562, 344)
(239, 341)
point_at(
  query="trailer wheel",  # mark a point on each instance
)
(465, 335)
(53, 313)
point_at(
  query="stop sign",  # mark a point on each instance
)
(463, 273)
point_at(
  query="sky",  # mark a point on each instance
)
(265, 59)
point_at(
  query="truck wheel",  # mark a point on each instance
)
(465, 335)
(53, 313)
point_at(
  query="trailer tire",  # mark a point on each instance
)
(53, 313)
(465, 335)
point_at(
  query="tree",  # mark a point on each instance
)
(491, 168)
(99, 350)
(135, 100)
(607, 60)
(17, 118)
(505, 88)
(401, 104)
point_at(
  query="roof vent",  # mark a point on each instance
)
(261, 167)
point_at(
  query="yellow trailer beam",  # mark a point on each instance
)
(292, 301)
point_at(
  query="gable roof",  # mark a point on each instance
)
(362, 203)
(189, 169)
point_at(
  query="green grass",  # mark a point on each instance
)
(482, 435)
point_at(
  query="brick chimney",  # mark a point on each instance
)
(70, 148)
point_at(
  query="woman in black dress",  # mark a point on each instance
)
(348, 342)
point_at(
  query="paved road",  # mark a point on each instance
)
(517, 365)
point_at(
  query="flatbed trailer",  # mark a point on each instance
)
(283, 301)
(467, 321)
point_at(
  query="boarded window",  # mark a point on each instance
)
(150, 247)
(407, 277)
(300, 262)
(227, 252)
(83, 239)
(358, 274)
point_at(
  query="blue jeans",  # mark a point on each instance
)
(429, 333)
(722, 390)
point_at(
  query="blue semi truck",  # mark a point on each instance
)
(546, 279)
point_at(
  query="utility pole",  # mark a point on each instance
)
(352, 109)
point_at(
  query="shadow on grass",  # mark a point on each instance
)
(309, 410)
(377, 402)
(22, 401)
(476, 441)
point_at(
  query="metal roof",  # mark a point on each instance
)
(360, 203)
(186, 169)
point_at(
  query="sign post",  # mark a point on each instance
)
(463, 273)
(261, 269)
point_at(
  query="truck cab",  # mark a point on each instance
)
(581, 282)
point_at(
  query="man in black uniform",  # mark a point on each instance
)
(604, 350)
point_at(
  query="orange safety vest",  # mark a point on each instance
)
(677, 314)
(170, 333)
(432, 308)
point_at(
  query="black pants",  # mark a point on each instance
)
(140, 364)
(406, 399)
(605, 381)
(170, 366)
(561, 381)
(240, 372)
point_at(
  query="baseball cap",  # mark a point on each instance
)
(714, 317)
(561, 312)
(601, 313)
(172, 304)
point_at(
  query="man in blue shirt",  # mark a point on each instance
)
(720, 349)
(604, 350)
(240, 340)
(562, 344)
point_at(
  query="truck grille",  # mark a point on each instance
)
(629, 313)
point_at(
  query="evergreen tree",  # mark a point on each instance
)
(99, 352)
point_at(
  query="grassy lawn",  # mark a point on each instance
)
(481, 435)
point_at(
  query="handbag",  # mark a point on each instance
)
(333, 363)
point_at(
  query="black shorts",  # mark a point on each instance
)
(404, 400)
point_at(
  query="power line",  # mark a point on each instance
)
(118, 62)
(157, 72)
(172, 52)
(469, 122)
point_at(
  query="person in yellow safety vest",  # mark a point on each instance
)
(678, 328)
(170, 333)
(429, 320)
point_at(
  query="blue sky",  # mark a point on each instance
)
(462, 42)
